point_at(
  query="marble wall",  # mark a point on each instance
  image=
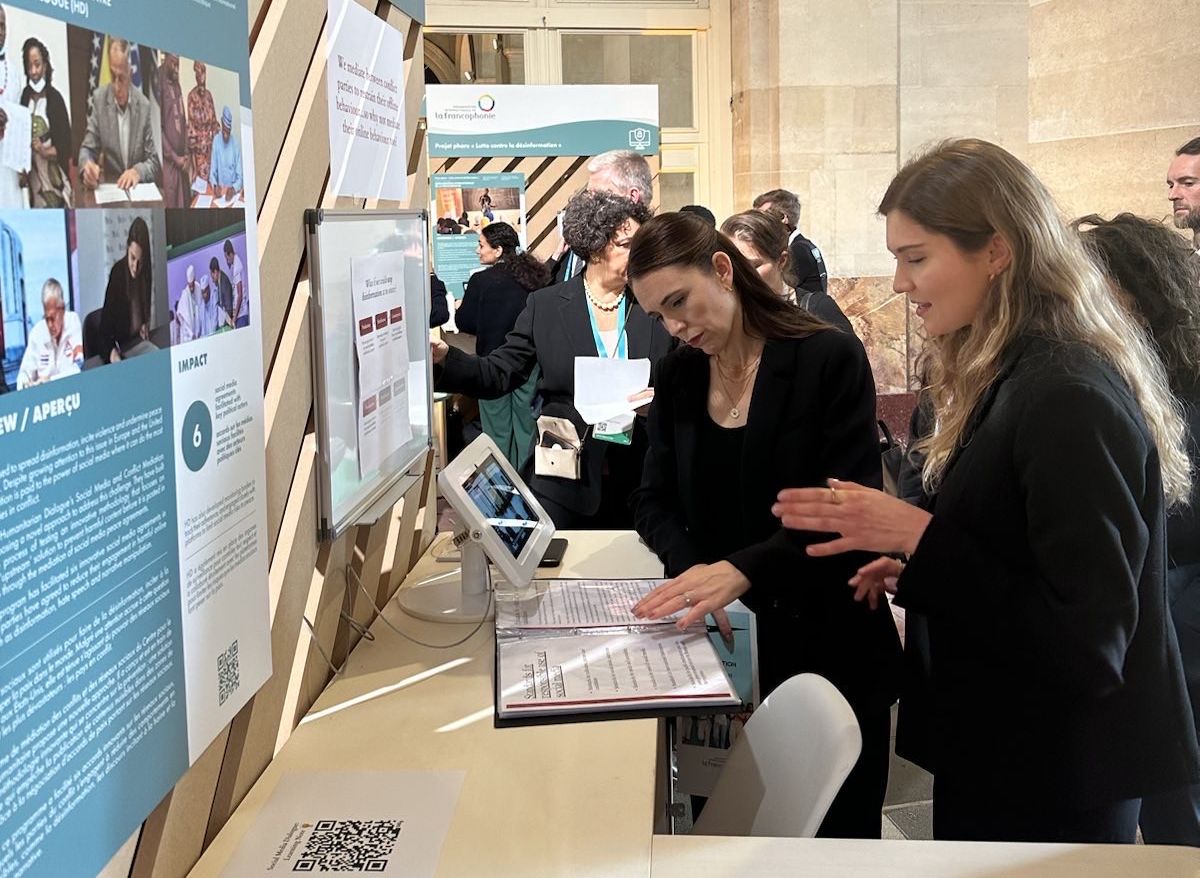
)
(830, 98)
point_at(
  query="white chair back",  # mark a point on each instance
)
(788, 764)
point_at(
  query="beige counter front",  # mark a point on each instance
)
(684, 856)
(578, 799)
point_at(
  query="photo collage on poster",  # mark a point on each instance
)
(463, 210)
(122, 212)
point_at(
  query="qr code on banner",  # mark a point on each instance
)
(228, 677)
(349, 846)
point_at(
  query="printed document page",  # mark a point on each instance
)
(145, 192)
(390, 823)
(594, 672)
(578, 603)
(603, 386)
(110, 193)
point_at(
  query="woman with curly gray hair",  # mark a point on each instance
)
(589, 315)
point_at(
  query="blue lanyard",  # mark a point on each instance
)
(622, 352)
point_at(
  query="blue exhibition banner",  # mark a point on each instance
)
(414, 9)
(462, 206)
(134, 616)
(526, 120)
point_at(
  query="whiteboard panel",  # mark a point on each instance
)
(337, 241)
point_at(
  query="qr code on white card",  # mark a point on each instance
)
(228, 675)
(349, 846)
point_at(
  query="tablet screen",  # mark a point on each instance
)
(501, 505)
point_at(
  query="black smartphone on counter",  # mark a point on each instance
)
(554, 553)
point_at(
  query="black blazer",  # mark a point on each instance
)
(821, 304)
(116, 318)
(808, 265)
(812, 416)
(551, 332)
(1055, 676)
(491, 304)
(439, 307)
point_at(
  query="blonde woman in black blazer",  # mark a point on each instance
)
(1039, 560)
(762, 396)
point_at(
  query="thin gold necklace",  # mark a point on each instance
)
(735, 411)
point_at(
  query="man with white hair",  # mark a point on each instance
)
(619, 171)
(55, 347)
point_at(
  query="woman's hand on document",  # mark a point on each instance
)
(699, 590)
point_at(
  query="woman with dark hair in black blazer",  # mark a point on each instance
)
(1039, 559)
(761, 396)
(493, 300)
(125, 317)
(589, 315)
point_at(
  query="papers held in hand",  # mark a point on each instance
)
(603, 386)
(574, 648)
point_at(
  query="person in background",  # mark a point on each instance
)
(125, 316)
(49, 184)
(759, 238)
(225, 163)
(237, 279)
(439, 305)
(485, 205)
(622, 172)
(177, 163)
(493, 300)
(807, 261)
(209, 316)
(222, 292)
(1183, 189)
(187, 308)
(806, 265)
(118, 145)
(203, 126)
(1040, 561)
(11, 195)
(701, 211)
(763, 241)
(590, 315)
(1156, 276)
(762, 395)
(55, 347)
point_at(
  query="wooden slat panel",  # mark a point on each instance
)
(280, 60)
(302, 170)
(287, 404)
(173, 835)
(256, 731)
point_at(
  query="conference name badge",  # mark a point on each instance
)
(618, 430)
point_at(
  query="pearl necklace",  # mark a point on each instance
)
(599, 306)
